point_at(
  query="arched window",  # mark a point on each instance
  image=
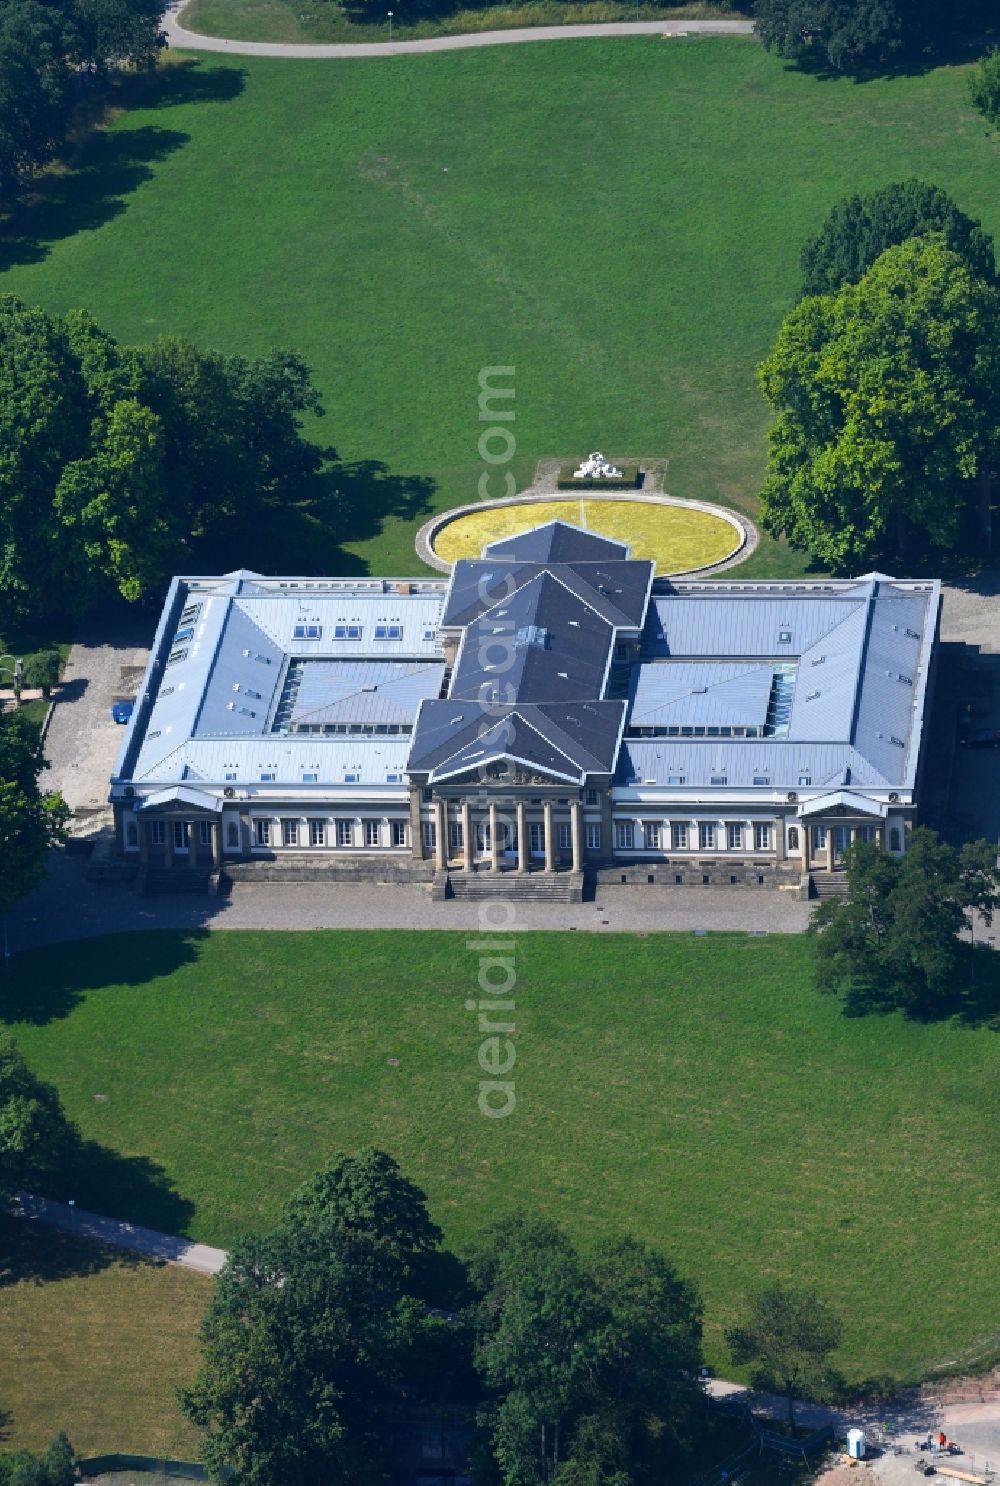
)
(233, 834)
(895, 844)
(793, 838)
(132, 833)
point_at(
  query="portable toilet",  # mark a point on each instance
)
(856, 1444)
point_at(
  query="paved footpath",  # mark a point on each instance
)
(177, 36)
(69, 907)
(130, 1236)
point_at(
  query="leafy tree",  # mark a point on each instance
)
(893, 940)
(113, 459)
(36, 1139)
(57, 1467)
(852, 35)
(888, 403)
(860, 228)
(110, 33)
(42, 669)
(34, 92)
(593, 1370)
(30, 822)
(787, 1337)
(368, 1194)
(984, 87)
(302, 1346)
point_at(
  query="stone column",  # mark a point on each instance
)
(416, 825)
(494, 840)
(779, 838)
(467, 835)
(829, 848)
(440, 835)
(607, 840)
(576, 834)
(168, 843)
(143, 840)
(550, 865)
(217, 844)
(880, 835)
(806, 845)
(522, 837)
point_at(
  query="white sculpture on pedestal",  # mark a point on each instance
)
(596, 467)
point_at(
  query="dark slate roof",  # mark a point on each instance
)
(617, 590)
(497, 664)
(557, 541)
(571, 741)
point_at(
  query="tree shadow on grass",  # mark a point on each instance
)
(134, 1189)
(44, 985)
(350, 503)
(951, 51)
(109, 165)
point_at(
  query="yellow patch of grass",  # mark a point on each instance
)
(96, 1344)
(677, 538)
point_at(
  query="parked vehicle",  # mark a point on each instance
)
(121, 712)
(985, 738)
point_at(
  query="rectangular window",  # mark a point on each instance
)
(398, 829)
(762, 779)
(132, 833)
(457, 839)
(819, 837)
(593, 837)
(289, 832)
(734, 836)
(565, 836)
(180, 835)
(347, 632)
(204, 833)
(352, 778)
(591, 797)
(651, 835)
(157, 835)
(623, 835)
(309, 778)
(345, 833)
(706, 836)
(866, 833)
(175, 656)
(317, 833)
(536, 838)
(805, 779)
(430, 835)
(761, 837)
(675, 778)
(267, 778)
(187, 633)
(719, 779)
(262, 832)
(307, 632)
(388, 632)
(679, 835)
(373, 833)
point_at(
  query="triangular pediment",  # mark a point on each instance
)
(500, 771)
(841, 804)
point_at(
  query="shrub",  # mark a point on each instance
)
(984, 85)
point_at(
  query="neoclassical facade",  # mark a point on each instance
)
(551, 710)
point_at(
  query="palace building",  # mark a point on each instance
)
(551, 711)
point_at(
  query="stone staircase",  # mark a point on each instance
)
(828, 885)
(152, 881)
(527, 887)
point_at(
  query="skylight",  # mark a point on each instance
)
(307, 632)
(388, 632)
(533, 635)
(347, 632)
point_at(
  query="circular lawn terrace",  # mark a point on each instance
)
(680, 536)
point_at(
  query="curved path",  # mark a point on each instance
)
(177, 36)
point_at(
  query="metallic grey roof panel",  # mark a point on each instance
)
(699, 694)
(655, 760)
(364, 691)
(743, 625)
(451, 736)
(557, 541)
(571, 667)
(211, 760)
(618, 591)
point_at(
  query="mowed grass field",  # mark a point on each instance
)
(96, 1343)
(618, 220)
(696, 1091)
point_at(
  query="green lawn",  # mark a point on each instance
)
(95, 1342)
(696, 1091)
(618, 219)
